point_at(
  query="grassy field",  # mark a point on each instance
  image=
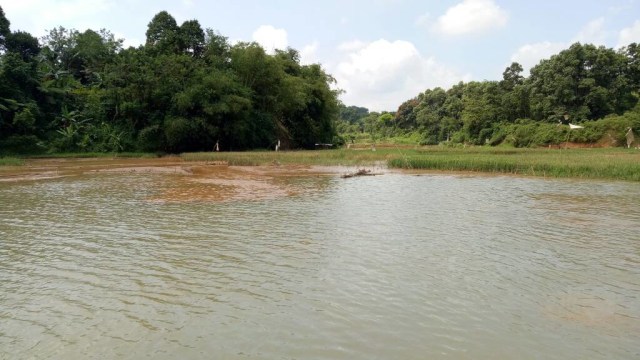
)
(611, 163)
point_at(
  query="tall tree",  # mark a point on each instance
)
(586, 81)
(192, 37)
(512, 76)
(163, 34)
(4, 28)
(22, 43)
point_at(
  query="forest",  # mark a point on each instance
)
(185, 89)
(188, 89)
(596, 87)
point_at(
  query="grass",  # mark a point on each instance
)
(94, 155)
(611, 163)
(20, 160)
(341, 157)
(11, 161)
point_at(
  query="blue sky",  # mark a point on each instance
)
(382, 52)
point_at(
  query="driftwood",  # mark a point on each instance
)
(360, 172)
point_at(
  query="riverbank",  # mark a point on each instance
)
(584, 163)
(589, 163)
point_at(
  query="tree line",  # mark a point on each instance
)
(186, 89)
(581, 84)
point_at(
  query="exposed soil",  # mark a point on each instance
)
(183, 181)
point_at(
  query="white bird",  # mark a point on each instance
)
(571, 126)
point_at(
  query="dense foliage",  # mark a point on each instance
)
(185, 89)
(188, 89)
(596, 87)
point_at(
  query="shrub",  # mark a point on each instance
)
(21, 144)
(151, 139)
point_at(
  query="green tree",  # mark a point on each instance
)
(482, 108)
(90, 53)
(632, 54)
(4, 29)
(512, 76)
(586, 81)
(22, 43)
(192, 38)
(185, 90)
(163, 34)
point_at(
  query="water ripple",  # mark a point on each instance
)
(391, 266)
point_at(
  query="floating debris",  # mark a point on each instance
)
(359, 172)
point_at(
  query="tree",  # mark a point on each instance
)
(183, 91)
(192, 38)
(406, 115)
(353, 114)
(163, 34)
(216, 49)
(482, 108)
(586, 81)
(22, 43)
(4, 29)
(512, 76)
(632, 69)
(90, 53)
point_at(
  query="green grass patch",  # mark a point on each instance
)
(84, 155)
(11, 161)
(613, 163)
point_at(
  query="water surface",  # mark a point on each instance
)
(391, 267)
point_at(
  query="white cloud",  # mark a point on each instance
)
(629, 35)
(471, 16)
(351, 45)
(309, 54)
(530, 55)
(593, 33)
(37, 16)
(271, 38)
(382, 74)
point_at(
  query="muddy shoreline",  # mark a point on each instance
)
(183, 181)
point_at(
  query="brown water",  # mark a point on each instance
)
(119, 265)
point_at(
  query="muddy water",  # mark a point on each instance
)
(212, 262)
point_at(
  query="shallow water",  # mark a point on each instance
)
(391, 267)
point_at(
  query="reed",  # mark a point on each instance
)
(614, 163)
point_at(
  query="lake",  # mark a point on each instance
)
(134, 264)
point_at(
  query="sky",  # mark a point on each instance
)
(381, 52)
